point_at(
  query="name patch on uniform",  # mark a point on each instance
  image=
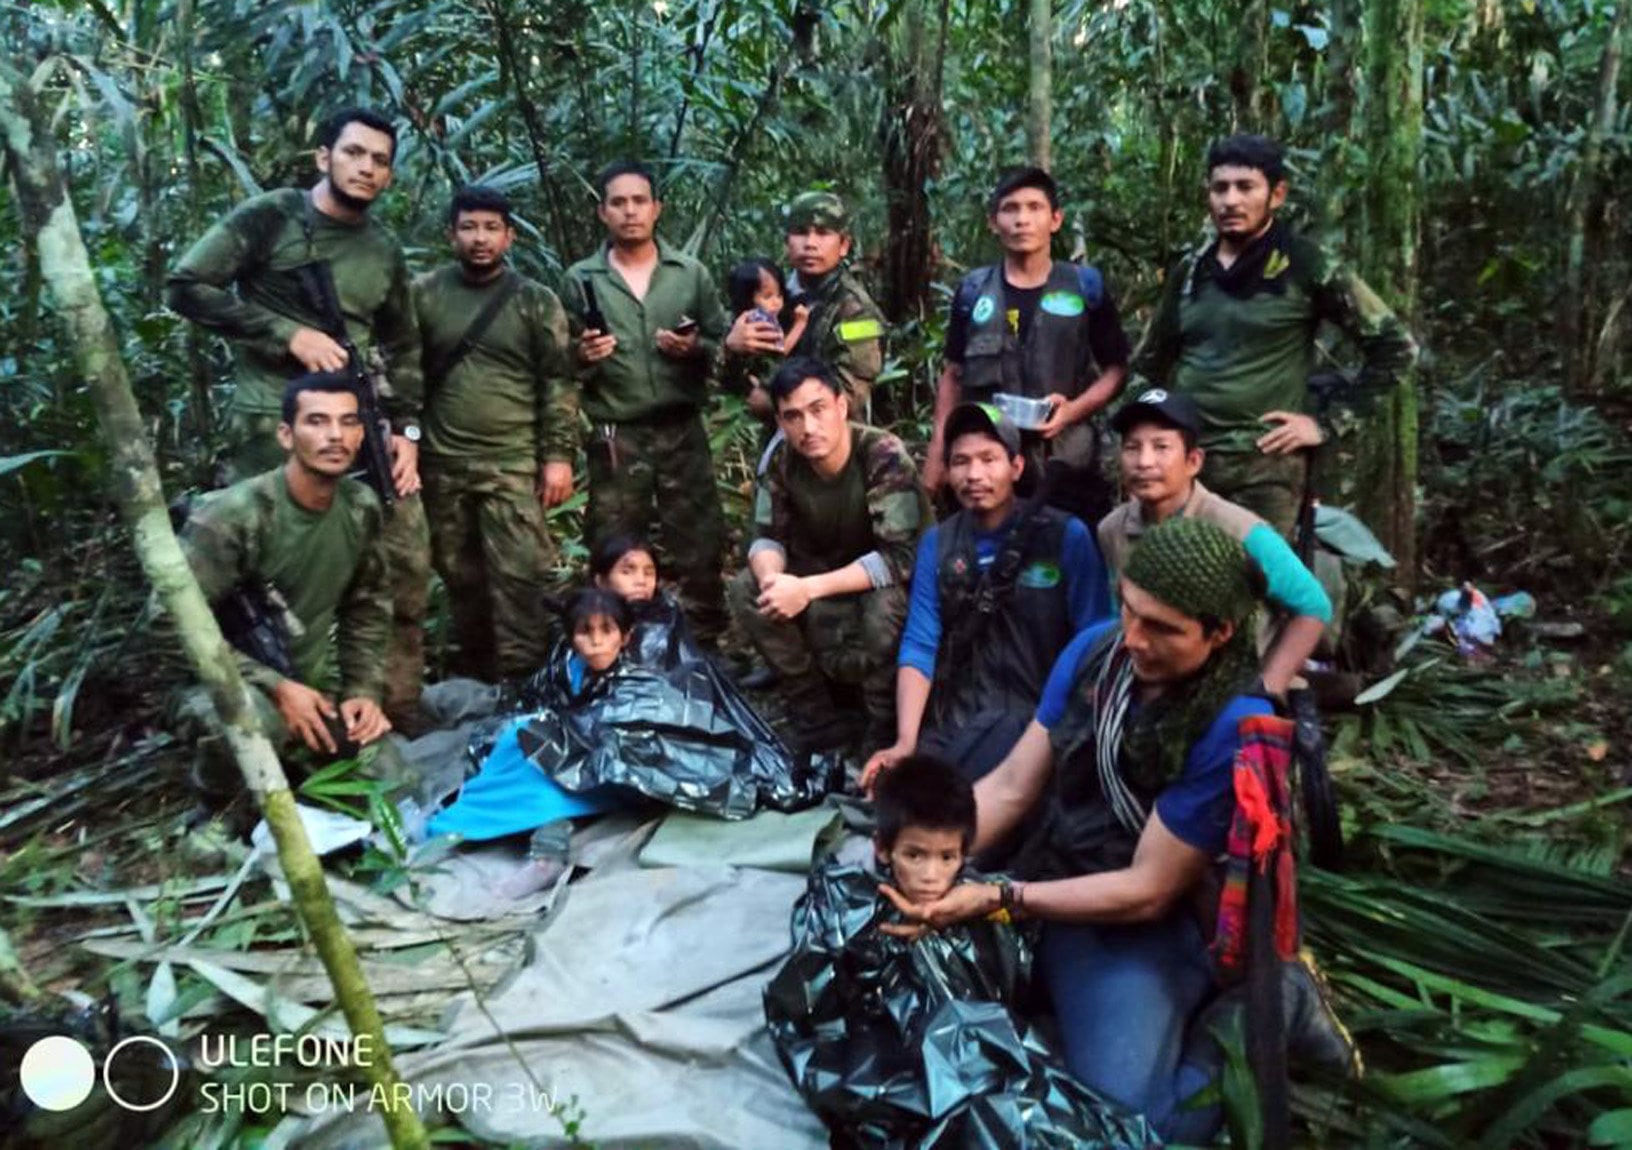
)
(1040, 574)
(1063, 303)
(984, 307)
(851, 330)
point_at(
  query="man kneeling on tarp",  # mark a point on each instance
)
(292, 561)
(1131, 758)
(902, 1043)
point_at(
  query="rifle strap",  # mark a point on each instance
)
(438, 369)
(317, 276)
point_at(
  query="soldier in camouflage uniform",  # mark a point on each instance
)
(242, 279)
(846, 329)
(316, 537)
(501, 430)
(645, 347)
(824, 596)
(1235, 331)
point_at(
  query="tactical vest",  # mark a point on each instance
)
(1019, 641)
(1055, 355)
(1079, 833)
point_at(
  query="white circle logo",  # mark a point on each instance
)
(57, 1073)
(138, 1107)
(983, 309)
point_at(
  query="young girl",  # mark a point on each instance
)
(625, 564)
(600, 623)
(757, 285)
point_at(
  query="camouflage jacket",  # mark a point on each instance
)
(1240, 355)
(511, 399)
(872, 512)
(329, 567)
(846, 331)
(242, 281)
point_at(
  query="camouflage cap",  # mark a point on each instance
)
(822, 209)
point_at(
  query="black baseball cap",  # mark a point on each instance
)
(983, 419)
(1170, 407)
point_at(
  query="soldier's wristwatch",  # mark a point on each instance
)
(411, 432)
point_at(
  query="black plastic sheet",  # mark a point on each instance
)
(901, 1044)
(666, 723)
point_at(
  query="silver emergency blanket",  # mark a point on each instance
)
(665, 723)
(900, 1044)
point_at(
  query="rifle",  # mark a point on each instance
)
(367, 376)
(255, 618)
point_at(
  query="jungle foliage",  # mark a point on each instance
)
(1503, 1022)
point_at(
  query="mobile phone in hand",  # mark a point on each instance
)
(686, 326)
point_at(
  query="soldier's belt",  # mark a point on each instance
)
(663, 417)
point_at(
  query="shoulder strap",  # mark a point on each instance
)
(440, 368)
(1092, 284)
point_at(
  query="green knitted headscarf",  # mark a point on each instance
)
(1196, 567)
(1200, 569)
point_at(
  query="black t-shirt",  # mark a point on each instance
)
(1106, 339)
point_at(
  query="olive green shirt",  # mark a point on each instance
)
(872, 512)
(241, 280)
(1240, 358)
(637, 381)
(329, 566)
(510, 400)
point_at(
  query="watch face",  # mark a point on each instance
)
(411, 433)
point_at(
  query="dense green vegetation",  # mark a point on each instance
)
(1471, 157)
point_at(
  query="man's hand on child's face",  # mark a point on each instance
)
(964, 901)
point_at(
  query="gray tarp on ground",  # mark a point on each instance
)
(642, 998)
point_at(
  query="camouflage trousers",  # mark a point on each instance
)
(408, 564)
(661, 474)
(250, 447)
(844, 639)
(490, 544)
(216, 777)
(1270, 486)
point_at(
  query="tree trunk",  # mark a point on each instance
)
(913, 132)
(48, 214)
(1577, 316)
(1337, 87)
(1386, 469)
(514, 70)
(192, 125)
(1039, 93)
(1251, 67)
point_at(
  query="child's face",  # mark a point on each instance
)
(769, 296)
(634, 576)
(598, 641)
(925, 861)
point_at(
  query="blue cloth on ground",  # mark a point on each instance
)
(510, 795)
